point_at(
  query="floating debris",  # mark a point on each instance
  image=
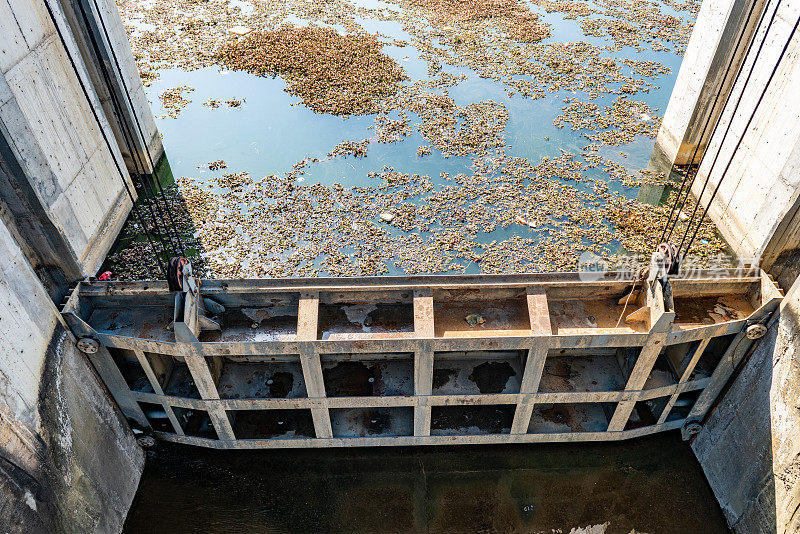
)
(515, 18)
(350, 148)
(458, 131)
(331, 72)
(240, 30)
(216, 165)
(277, 226)
(173, 100)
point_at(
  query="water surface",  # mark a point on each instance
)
(652, 484)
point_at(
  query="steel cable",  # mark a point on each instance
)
(122, 172)
(139, 128)
(733, 113)
(128, 140)
(746, 127)
(150, 193)
(675, 210)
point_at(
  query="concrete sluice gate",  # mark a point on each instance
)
(419, 360)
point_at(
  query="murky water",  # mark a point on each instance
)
(272, 131)
(649, 485)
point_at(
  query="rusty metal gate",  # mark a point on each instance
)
(419, 360)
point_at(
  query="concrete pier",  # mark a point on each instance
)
(68, 460)
(749, 445)
(103, 44)
(755, 149)
(704, 75)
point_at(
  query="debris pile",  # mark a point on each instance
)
(515, 17)
(331, 72)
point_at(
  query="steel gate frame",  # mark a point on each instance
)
(203, 358)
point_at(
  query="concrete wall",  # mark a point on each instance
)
(702, 77)
(55, 136)
(761, 186)
(68, 462)
(750, 446)
(756, 205)
(103, 42)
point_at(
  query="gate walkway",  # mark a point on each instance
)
(419, 360)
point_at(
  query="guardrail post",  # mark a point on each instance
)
(660, 324)
(423, 360)
(307, 326)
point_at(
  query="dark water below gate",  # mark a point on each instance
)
(651, 484)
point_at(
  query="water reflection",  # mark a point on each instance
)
(648, 485)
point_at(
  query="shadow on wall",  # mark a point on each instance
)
(83, 463)
(749, 448)
(167, 220)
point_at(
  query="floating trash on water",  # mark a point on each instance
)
(240, 30)
(173, 100)
(474, 319)
(387, 217)
(332, 71)
(277, 226)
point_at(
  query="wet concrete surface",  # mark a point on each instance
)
(488, 419)
(652, 484)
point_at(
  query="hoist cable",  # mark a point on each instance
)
(675, 210)
(128, 140)
(139, 128)
(746, 127)
(174, 240)
(730, 122)
(122, 172)
(733, 113)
